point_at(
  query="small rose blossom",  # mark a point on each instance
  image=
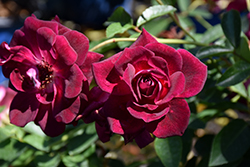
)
(49, 65)
(147, 84)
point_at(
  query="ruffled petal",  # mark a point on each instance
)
(79, 43)
(23, 109)
(177, 84)
(133, 56)
(66, 55)
(73, 81)
(144, 39)
(101, 71)
(86, 66)
(48, 123)
(67, 109)
(195, 74)
(146, 113)
(172, 57)
(175, 122)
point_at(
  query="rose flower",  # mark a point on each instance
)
(49, 66)
(147, 83)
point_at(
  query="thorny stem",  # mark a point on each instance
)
(166, 41)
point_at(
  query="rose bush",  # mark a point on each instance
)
(50, 67)
(147, 84)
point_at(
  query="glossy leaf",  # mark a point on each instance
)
(213, 50)
(231, 143)
(235, 74)
(231, 25)
(153, 12)
(117, 28)
(169, 150)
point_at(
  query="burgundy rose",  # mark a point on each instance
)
(147, 83)
(49, 65)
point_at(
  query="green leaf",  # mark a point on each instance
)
(25, 158)
(121, 16)
(47, 160)
(243, 50)
(235, 74)
(169, 150)
(231, 25)
(212, 34)
(162, 24)
(11, 149)
(231, 143)
(213, 50)
(183, 4)
(80, 143)
(37, 141)
(117, 28)
(153, 12)
(69, 160)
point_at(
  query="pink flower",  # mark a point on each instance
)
(147, 83)
(239, 5)
(6, 96)
(49, 65)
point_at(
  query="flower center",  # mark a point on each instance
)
(45, 75)
(146, 85)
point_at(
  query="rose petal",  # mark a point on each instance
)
(48, 123)
(79, 43)
(132, 56)
(66, 55)
(73, 82)
(101, 71)
(175, 122)
(143, 139)
(195, 74)
(144, 39)
(177, 82)
(67, 109)
(172, 57)
(22, 84)
(86, 66)
(31, 25)
(115, 126)
(103, 131)
(146, 114)
(160, 64)
(23, 109)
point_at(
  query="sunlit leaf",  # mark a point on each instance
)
(235, 74)
(231, 25)
(153, 12)
(117, 28)
(231, 143)
(37, 141)
(169, 150)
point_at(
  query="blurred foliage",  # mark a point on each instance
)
(218, 133)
